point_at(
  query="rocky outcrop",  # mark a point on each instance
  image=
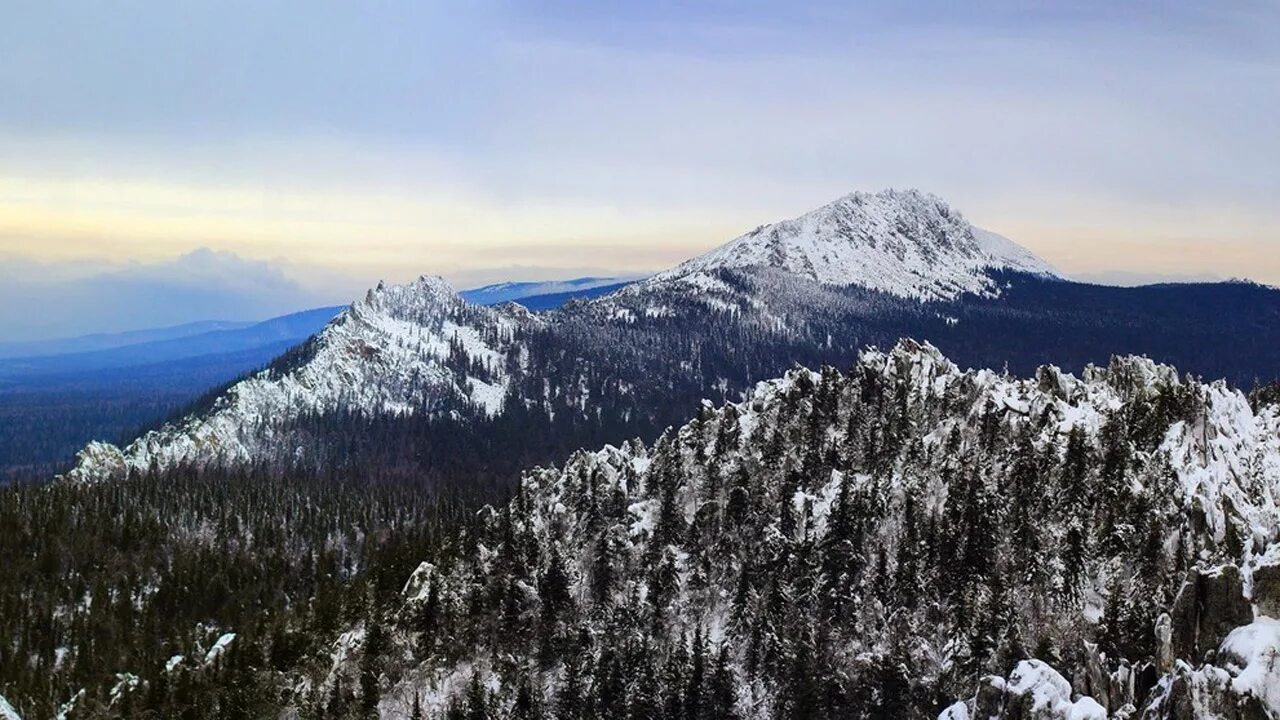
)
(1266, 585)
(1033, 691)
(1210, 604)
(1113, 689)
(1243, 683)
(1205, 692)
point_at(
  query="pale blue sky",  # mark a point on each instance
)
(356, 141)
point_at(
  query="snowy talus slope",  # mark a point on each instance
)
(1201, 470)
(401, 349)
(907, 243)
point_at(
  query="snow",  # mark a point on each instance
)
(957, 711)
(1252, 654)
(515, 291)
(173, 662)
(69, 706)
(1051, 693)
(646, 518)
(416, 586)
(1230, 459)
(219, 647)
(6, 710)
(906, 243)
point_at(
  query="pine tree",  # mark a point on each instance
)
(428, 620)
(694, 689)
(477, 699)
(526, 705)
(569, 700)
(371, 667)
(721, 700)
(644, 702)
(556, 603)
(338, 703)
(602, 576)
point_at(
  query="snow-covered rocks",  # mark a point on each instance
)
(1033, 691)
(219, 647)
(792, 467)
(1038, 691)
(1251, 654)
(1265, 583)
(1243, 683)
(1207, 607)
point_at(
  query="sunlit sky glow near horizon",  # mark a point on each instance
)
(349, 142)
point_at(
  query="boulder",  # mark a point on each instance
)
(989, 700)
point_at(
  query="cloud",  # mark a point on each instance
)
(449, 140)
(48, 300)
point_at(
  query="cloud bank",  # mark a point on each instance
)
(41, 301)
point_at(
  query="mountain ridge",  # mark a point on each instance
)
(699, 330)
(827, 545)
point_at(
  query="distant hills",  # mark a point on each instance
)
(164, 345)
(32, 360)
(106, 341)
(543, 295)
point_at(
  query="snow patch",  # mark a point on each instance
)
(219, 647)
(1252, 654)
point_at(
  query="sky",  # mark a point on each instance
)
(310, 149)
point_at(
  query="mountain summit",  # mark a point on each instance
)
(903, 242)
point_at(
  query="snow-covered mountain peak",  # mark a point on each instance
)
(429, 294)
(904, 242)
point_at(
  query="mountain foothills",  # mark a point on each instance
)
(355, 531)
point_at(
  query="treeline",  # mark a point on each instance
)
(103, 585)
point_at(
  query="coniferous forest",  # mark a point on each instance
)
(697, 497)
(871, 542)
